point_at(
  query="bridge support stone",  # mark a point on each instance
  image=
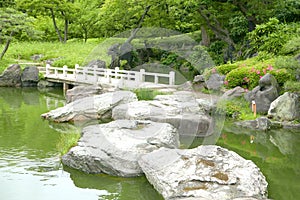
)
(65, 88)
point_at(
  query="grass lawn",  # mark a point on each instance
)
(71, 53)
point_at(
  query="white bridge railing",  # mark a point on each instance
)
(117, 77)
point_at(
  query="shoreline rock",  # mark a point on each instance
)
(181, 110)
(209, 172)
(115, 148)
(90, 108)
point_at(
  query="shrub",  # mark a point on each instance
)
(292, 47)
(147, 94)
(281, 76)
(225, 69)
(271, 36)
(292, 86)
(237, 108)
(248, 77)
(290, 64)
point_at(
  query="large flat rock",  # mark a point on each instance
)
(115, 148)
(182, 110)
(207, 172)
(90, 108)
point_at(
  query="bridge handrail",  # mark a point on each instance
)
(117, 73)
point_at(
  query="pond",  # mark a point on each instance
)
(30, 151)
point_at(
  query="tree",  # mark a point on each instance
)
(12, 22)
(62, 9)
(88, 16)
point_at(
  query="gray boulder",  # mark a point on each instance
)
(264, 94)
(199, 79)
(11, 77)
(285, 108)
(116, 147)
(30, 77)
(42, 84)
(234, 93)
(90, 108)
(82, 91)
(36, 57)
(261, 123)
(206, 172)
(215, 82)
(97, 63)
(180, 110)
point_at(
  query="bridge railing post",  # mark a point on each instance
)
(172, 78)
(76, 70)
(142, 76)
(156, 79)
(48, 69)
(117, 69)
(85, 72)
(65, 70)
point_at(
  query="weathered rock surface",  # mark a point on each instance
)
(30, 77)
(264, 94)
(234, 93)
(285, 108)
(215, 82)
(90, 108)
(116, 147)
(180, 109)
(46, 84)
(11, 77)
(199, 79)
(206, 172)
(82, 91)
(97, 63)
(261, 123)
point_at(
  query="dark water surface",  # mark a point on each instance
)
(30, 150)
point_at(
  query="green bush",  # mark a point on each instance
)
(292, 86)
(225, 69)
(147, 94)
(281, 76)
(292, 47)
(248, 77)
(237, 108)
(272, 36)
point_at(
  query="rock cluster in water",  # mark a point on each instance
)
(144, 139)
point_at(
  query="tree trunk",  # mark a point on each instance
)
(66, 30)
(134, 32)
(85, 34)
(55, 25)
(6, 45)
(215, 26)
(205, 40)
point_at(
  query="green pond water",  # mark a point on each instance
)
(30, 150)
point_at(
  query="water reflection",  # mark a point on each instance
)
(30, 166)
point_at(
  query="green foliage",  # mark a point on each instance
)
(248, 77)
(66, 142)
(147, 94)
(216, 51)
(290, 64)
(237, 108)
(292, 86)
(14, 24)
(71, 53)
(226, 68)
(200, 59)
(238, 27)
(288, 11)
(292, 47)
(272, 36)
